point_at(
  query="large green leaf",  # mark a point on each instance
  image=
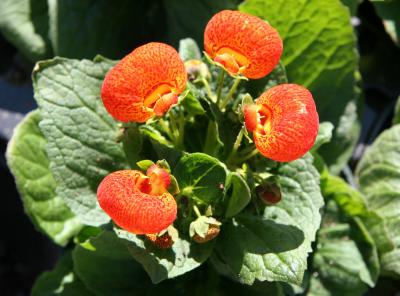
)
(82, 136)
(25, 24)
(345, 261)
(61, 281)
(275, 246)
(201, 177)
(27, 159)
(83, 29)
(105, 266)
(162, 264)
(320, 54)
(378, 174)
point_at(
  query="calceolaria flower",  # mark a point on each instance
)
(284, 122)
(145, 83)
(136, 202)
(242, 44)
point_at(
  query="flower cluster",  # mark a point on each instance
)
(147, 83)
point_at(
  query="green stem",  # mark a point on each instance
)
(220, 84)
(209, 145)
(181, 123)
(208, 89)
(236, 145)
(225, 101)
(196, 210)
(166, 129)
(248, 156)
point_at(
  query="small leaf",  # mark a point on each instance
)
(192, 105)
(144, 164)
(238, 194)
(28, 161)
(201, 177)
(324, 134)
(189, 50)
(163, 264)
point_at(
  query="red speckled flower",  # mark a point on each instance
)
(136, 202)
(242, 43)
(284, 122)
(144, 83)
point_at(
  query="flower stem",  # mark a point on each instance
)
(225, 101)
(220, 84)
(210, 94)
(236, 145)
(196, 210)
(248, 155)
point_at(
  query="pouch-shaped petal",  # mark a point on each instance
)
(242, 43)
(133, 87)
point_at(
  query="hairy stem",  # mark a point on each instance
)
(225, 101)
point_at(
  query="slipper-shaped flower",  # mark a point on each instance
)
(284, 122)
(136, 202)
(145, 83)
(242, 44)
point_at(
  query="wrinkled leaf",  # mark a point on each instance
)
(319, 54)
(81, 135)
(378, 174)
(275, 246)
(28, 161)
(161, 264)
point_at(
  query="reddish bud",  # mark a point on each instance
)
(270, 194)
(137, 203)
(286, 122)
(144, 83)
(164, 241)
(242, 43)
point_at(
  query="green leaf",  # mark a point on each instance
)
(162, 146)
(27, 159)
(320, 54)
(396, 118)
(189, 50)
(25, 24)
(201, 177)
(132, 143)
(189, 18)
(389, 11)
(106, 267)
(83, 29)
(378, 174)
(191, 104)
(343, 263)
(258, 86)
(275, 246)
(238, 194)
(161, 264)
(81, 135)
(324, 134)
(60, 281)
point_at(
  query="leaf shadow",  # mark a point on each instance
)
(249, 235)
